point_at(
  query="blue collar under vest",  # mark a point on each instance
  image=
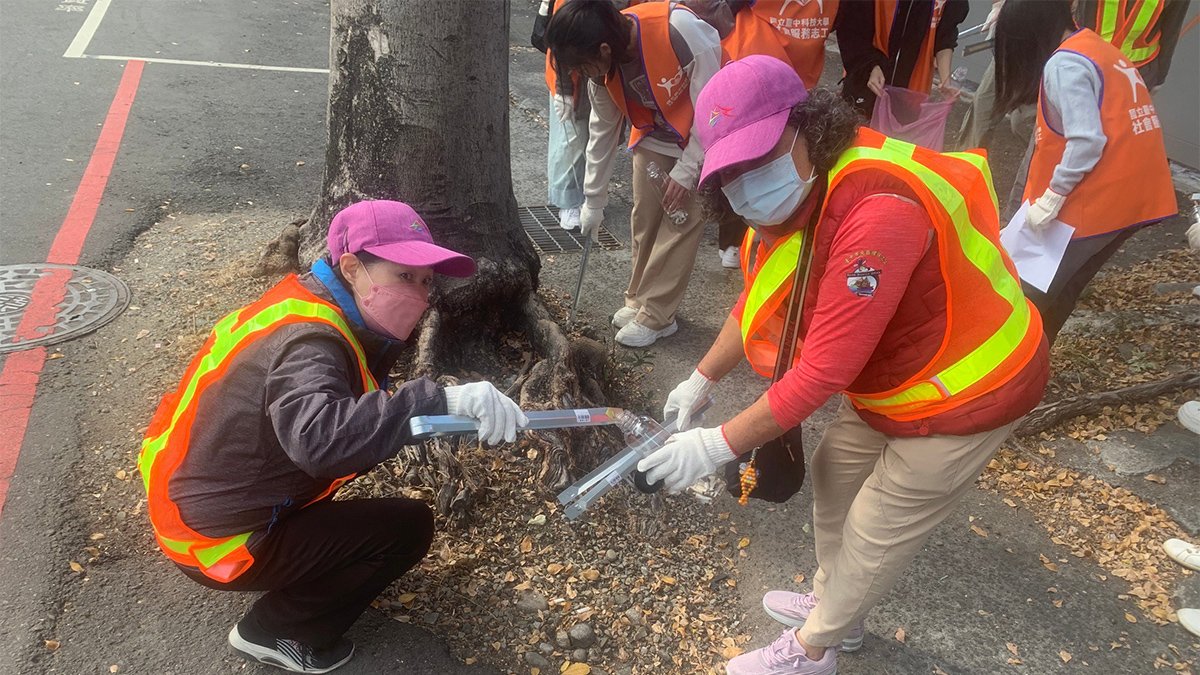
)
(324, 273)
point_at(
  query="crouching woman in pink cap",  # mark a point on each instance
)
(286, 401)
(913, 317)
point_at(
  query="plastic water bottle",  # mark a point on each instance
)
(659, 180)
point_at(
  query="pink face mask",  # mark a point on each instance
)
(393, 311)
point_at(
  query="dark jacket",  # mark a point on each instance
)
(288, 417)
(855, 29)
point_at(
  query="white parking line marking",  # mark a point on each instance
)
(210, 64)
(88, 30)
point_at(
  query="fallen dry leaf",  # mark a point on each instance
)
(76, 567)
(900, 634)
(1130, 618)
(979, 531)
(575, 668)
(731, 651)
(51, 645)
(670, 581)
(799, 578)
(743, 542)
(1155, 478)
(1064, 655)
(590, 575)
(1012, 648)
(526, 545)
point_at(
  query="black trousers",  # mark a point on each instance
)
(323, 565)
(1081, 261)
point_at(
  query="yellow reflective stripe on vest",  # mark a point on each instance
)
(982, 253)
(1106, 27)
(212, 555)
(227, 340)
(776, 271)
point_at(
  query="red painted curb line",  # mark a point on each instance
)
(19, 377)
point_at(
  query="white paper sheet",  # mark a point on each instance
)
(1037, 255)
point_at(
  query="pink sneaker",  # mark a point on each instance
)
(792, 609)
(784, 656)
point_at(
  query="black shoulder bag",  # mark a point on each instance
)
(775, 471)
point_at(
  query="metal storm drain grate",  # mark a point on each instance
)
(85, 299)
(541, 226)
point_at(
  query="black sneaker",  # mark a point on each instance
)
(290, 655)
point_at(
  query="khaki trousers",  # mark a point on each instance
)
(876, 500)
(663, 253)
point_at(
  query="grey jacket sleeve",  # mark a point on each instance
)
(1072, 96)
(324, 428)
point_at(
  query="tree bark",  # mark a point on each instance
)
(418, 112)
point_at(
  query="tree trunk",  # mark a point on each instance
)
(418, 112)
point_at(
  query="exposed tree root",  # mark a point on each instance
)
(1049, 414)
(556, 372)
(282, 255)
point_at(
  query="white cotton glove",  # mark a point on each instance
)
(1044, 209)
(564, 107)
(498, 415)
(684, 398)
(686, 458)
(1193, 236)
(589, 222)
(989, 24)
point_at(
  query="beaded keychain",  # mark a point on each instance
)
(748, 480)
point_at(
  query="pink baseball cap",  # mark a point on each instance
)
(392, 231)
(741, 112)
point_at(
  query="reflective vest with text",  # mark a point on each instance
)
(991, 330)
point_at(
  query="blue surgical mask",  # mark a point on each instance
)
(767, 195)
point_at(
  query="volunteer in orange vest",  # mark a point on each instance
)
(1098, 164)
(645, 64)
(804, 26)
(568, 125)
(1146, 32)
(743, 32)
(896, 42)
(287, 400)
(914, 319)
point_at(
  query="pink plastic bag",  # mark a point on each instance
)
(911, 116)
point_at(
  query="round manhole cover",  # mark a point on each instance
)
(83, 300)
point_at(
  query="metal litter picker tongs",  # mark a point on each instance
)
(643, 436)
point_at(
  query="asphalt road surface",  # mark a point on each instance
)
(224, 113)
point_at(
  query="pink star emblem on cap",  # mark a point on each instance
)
(717, 113)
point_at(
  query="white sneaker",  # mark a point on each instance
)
(1183, 553)
(635, 334)
(1190, 619)
(731, 258)
(568, 219)
(1189, 416)
(623, 316)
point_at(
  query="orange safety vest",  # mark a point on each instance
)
(804, 25)
(1132, 26)
(1131, 184)
(992, 330)
(668, 82)
(752, 35)
(166, 444)
(922, 74)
